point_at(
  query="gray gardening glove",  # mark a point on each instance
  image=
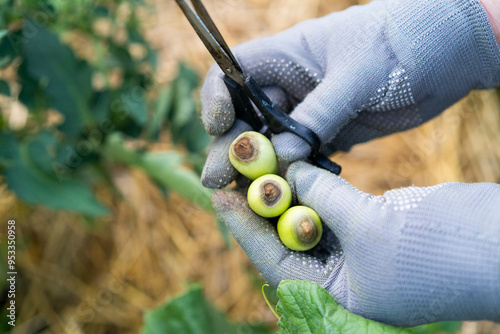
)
(409, 257)
(358, 74)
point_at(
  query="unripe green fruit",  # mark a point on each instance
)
(252, 154)
(299, 228)
(269, 196)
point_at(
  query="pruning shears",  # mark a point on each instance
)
(244, 90)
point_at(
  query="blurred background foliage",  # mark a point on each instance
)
(83, 111)
(101, 148)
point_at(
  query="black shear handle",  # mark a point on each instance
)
(243, 108)
(277, 120)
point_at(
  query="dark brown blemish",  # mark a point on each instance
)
(245, 149)
(271, 192)
(306, 231)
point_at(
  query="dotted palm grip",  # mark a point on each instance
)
(276, 120)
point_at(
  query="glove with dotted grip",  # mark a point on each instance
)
(409, 257)
(359, 74)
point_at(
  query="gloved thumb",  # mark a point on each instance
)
(259, 239)
(340, 206)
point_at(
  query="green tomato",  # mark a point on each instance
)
(299, 228)
(269, 196)
(252, 154)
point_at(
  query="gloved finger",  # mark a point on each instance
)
(280, 61)
(266, 60)
(322, 112)
(260, 241)
(217, 111)
(339, 204)
(218, 171)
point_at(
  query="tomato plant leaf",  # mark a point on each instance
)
(120, 56)
(185, 105)
(307, 307)
(100, 104)
(28, 175)
(67, 80)
(7, 49)
(8, 145)
(188, 75)
(164, 169)
(4, 88)
(192, 313)
(197, 138)
(32, 94)
(185, 124)
(133, 100)
(100, 11)
(438, 328)
(163, 107)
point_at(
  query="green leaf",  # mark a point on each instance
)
(100, 104)
(67, 80)
(119, 56)
(100, 11)
(43, 150)
(192, 313)
(166, 169)
(438, 328)
(3, 33)
(4, 88)
(133, 101)
(134, 35)
(308, 308)
(28, 176)
(161, 112)
(197, 139)
(5, 61)
(32, 94)
(120, 117)
(197, 161)
(185, 104)
(115, 149)
(8, 50)
(185, 124)
(8, 145)
(188, 75)
(151, 57)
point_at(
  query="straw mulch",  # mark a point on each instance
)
(99, 277)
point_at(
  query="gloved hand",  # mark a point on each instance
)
(409, 257)
(358, 74)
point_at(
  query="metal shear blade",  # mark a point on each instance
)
(198, 16)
